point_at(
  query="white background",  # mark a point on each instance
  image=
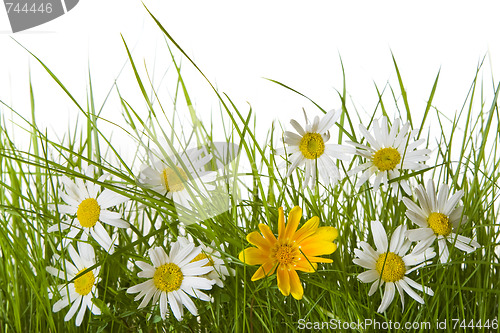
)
(237, 44)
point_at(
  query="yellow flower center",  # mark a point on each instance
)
(174, 180)
(202, 256)
(84, 284)
(391, 266)
(439, 223)
(88, 212)
(312, 145)
(386, 158)
(285, 253)
(168, 277)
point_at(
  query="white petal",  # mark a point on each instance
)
(328, 120)
(397, 238)
(375, 285)
(423, 200)
(413, 207)
(424, 245)
(190, 282)
(69, 199)
(465, 240)
(57, 227)
(443, 196)
(401, 138)
(55, 272)
(186, 255)
(368, 250)
(359, 168)
(119, 223)
(81, 313)
(418, 219)
(197, 269)
(73, 309)
(452, 202)
(418, 286)
(371, 140)
(379, 132)
(60, 304)
(94, 309)
(365, 256)
(157, 255)
(463, 247)
(431, 195)
(87, 254)
(419, 234)
(292, 138)
(401, 294)
(297, 159)
(146, 268)
(163, 305)
(370, 264)
(443, 251)
(139, 287)
(297, 127)
(404, 248)
(410, 291)
(188, 303)
(80, 264)
(389, 292)
(177, 309)
(109, 198)
(379, 236)
(416, 258)
(394, 131)
(65, 209)
(364, 177)
(101, 236)
(369, 276)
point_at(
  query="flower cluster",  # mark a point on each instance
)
(87, 207)
(179, 272)
(186, 271)
(390, 152)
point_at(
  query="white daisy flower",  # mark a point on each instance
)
(437, 216)
(390, 264)
(90, 207)
(309, 147)
(80, 292)
(172, 278)
(220, 271)
(389, 152)
(181, 180)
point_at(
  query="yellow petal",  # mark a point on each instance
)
(307, 229)
(319, 259)
(255, 238)
(318, 248)
(293, 222)
(296, 288)
(326, 234)
(323, 234)
(253, 256)
(266, 269)
(283, 280)
(267, 233)
(306, 266)
(281, 223)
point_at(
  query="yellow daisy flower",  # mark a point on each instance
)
(292, 251)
